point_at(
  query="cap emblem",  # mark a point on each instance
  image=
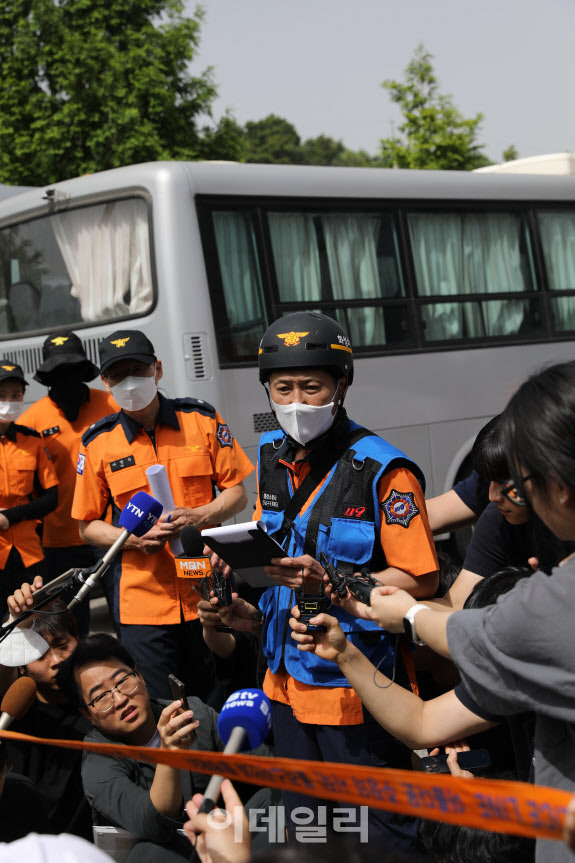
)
(8, 368)
(120, 343)
(291, 339)
(59, 341)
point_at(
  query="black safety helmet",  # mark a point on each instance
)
(306, 340)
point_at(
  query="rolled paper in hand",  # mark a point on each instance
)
(161, 490)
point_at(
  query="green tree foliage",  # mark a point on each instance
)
(433, 134)
(272, 140)
(95, 84)
(510, 154)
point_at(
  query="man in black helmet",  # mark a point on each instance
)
(325, 482)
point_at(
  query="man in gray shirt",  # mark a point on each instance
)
(100, 677)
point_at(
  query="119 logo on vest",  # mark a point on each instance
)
(399, 508)
(50, 431)
(354, 512)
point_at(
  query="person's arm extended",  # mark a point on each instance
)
(46, 502)
(177, 732)
(417, 723)
(420, 586)
(103, 535)
(447, 512)
(224, 506)
(388, 608)
(455, 597)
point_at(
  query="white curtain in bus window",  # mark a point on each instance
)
(456, 254)
(107, 254)
(241, 281)
(351, 245)
(324, 257)
(558, 240)
(296, 257)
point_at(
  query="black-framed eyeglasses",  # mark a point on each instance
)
(105, 700)
(510, 490)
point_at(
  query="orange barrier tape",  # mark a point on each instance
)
(489, 804)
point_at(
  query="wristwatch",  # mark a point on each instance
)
(409, 623)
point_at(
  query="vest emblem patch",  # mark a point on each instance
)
(224, 435)
(399, 508)
(81, 463)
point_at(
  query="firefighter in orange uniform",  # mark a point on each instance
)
(156, 610)
(28, 487)
(61, 417)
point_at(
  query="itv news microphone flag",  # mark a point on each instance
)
(245, 721)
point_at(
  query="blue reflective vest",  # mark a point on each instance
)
(343, 518)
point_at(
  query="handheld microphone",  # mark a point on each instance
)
(246, 713)
(192, 562)
(138, 517)
(17, 701)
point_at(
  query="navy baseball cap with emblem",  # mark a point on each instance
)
(61, 349)
(125, 345)
(10, 369)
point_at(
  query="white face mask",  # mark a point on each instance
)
(10, 411)
(135, 394)
(21, 647)
(302, 422)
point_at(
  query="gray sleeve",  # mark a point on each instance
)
(517, 655)
(208, 739)
(120, 802)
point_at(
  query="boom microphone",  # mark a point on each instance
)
(138, 517)
(248, 713)
(17, 701)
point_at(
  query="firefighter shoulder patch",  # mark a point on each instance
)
(224, 435)
(399, 508)
(81, 463)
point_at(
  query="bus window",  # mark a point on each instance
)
(85, 265)
(239, 336)
(558, 241)
(480, 254)
(342, 257)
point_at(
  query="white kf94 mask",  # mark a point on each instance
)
(134, 394)
(302, 422)
(10, 411)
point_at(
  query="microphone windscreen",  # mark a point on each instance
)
(249, 709)
(19, 697)
(192, 542)
(140, 513)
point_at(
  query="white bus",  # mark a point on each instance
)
(452, 286)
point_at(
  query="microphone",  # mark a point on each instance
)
(138, 517)
(17, 701)
(192, 562)
(248, 713)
